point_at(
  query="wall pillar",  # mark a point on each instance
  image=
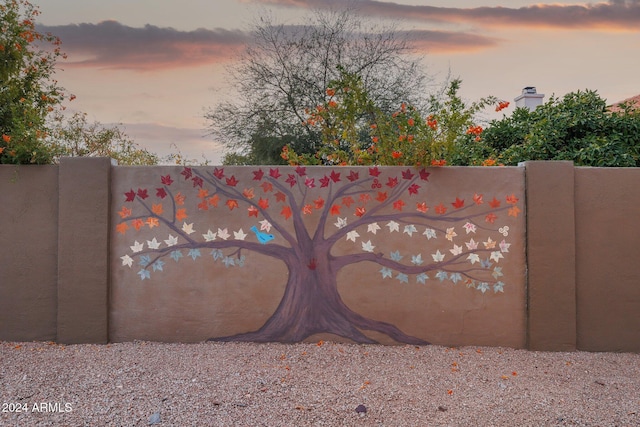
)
(83, 250)
(551, 256)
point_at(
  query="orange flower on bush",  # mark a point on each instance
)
(330, 92)
(396, 154)
(6, 138)
(432, 123)
(502, 105)
(441, 162)
(411, 122)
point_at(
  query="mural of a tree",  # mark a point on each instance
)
(299, 215)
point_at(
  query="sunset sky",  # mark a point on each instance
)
(156, 66)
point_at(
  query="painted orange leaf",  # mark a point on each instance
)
(495, 203)
(512, 199)
(365, 197)
(181, 214)
(360, 210)
(458, 203)
(335, 210)
(232, 203)
(137, 223)
(152, 222)
(286, 212)
(263, 203)
(514, 211)
(122, 228)
(248, 193)
(347, 201)
(203, 193)
(382, 196)
(203, 205)
(477, 198)
(398, 205)
(490, 218)
(124, 212)
(422, 207)
(266, 186)
(441, 209)
(253, 211)
(280, 197)
(319, 203)
(307, 209)
(180, 199)
(157, 209)
(213, 200)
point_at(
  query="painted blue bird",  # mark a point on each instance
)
(262, 237)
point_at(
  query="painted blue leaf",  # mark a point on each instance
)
(144, 260)
(396, 256)
(144, 274)
(157, 266)
(422, 278)
(176, 255)
(386, 272)
(442, 275)
(194, 253)
(403, 278)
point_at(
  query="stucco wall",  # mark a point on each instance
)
(607, 238)
(28, 258)
(74, 238)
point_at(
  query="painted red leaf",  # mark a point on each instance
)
(374, 171)
(130, 195)
(424, 175)
(458, 203)
(392, 182)
(232, 182)
(353, 176)
(142, 193)
(274, 173)
(218, 173)
(257, 175)
(291, 180)
(495, 203)
(335, 176)
(197, 181)
(310, 182)
(301, 170)
(166, 180)
(160, 192)
(413, 189)
(407, 174)
(324, 181)
(186, 172)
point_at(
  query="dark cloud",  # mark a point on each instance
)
(110, 44)
(447, 41)
(613, 15)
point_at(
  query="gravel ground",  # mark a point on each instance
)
(244, 384)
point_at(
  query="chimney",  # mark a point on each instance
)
(529, 99)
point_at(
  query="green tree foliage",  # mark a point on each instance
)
(28, 93)
(355, 131)
(34, 130)
(74, 136)
(286, 69)
(577, 127)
